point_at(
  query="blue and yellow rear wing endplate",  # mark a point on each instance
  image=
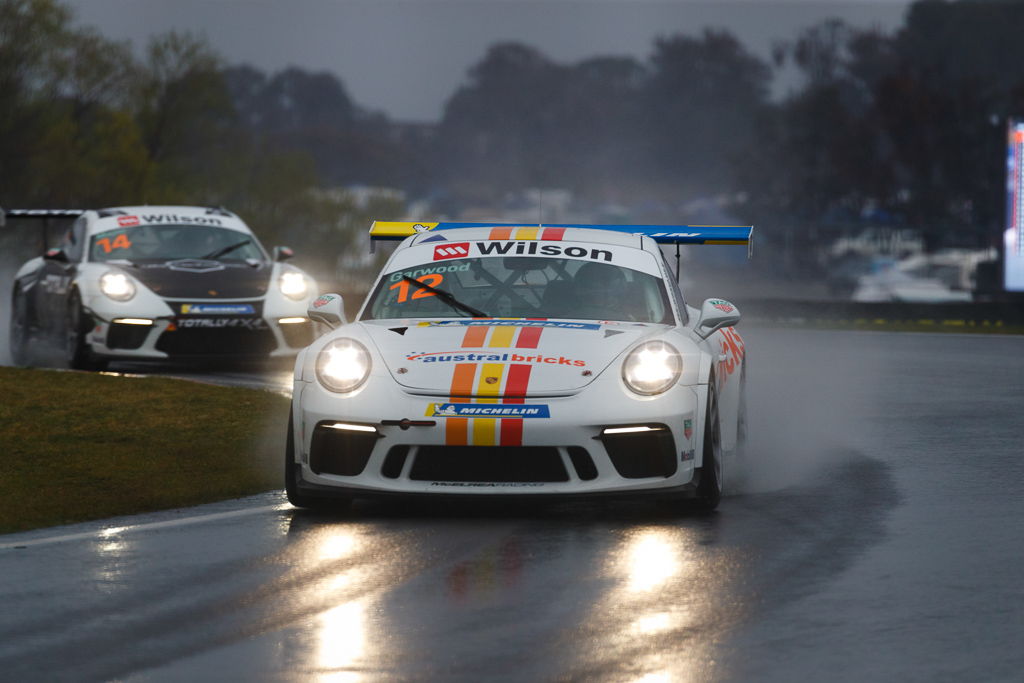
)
(739, 235)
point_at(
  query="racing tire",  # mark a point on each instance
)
(77, 325)
(293, 475)
(712, 476)
(20, 330)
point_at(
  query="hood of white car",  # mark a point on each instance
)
(501, 357)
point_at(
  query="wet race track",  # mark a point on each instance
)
(876, 537)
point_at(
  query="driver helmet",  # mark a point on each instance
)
(599, 284)
(195, 243)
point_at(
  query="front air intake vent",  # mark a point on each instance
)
(394, 462)
(343, 452)
(641, 454)
(121, 336)
(488, 464)
(583, 463)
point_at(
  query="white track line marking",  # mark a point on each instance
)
(167, 524)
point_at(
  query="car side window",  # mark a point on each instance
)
(673, 291)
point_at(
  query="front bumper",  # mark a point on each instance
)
(560, 455)
(166, 338)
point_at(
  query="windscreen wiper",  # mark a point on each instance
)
(447, 298)
(217, 253)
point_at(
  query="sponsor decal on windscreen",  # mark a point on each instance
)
(456, 250)
(174, 218)
(423, 255)
(487, 410)
(217, 309)
(495, 248)
(431, 270)
(136, 220)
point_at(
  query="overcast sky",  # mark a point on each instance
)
(406, 57)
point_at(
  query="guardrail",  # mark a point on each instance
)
(956, 317)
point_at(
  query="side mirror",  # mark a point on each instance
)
(328, 309)
(56, 254)
(283, 253)
(714, 315)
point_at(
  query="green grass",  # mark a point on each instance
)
(79, 446)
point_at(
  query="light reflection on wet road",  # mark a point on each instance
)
(882, 506)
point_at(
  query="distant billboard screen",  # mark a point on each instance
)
(1013, 238)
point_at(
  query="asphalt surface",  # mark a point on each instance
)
(876, 536)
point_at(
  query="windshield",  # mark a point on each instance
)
(171, 242)
(523, 287)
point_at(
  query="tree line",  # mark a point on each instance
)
(902, 128)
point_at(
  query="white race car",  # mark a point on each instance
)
(159, 283)
(503, 359)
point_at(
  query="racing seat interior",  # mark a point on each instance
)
(559, 299)
(633, 304)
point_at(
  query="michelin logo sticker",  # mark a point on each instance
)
(487, 410)
(217, 309)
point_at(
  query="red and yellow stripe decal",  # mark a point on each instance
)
(515, 392)
(526, 234)
(457, 428)
(491, 383)
(475, 336)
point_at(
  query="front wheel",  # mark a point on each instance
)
(77, 352)
(712, 476)
(293, 473)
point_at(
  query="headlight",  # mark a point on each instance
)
(117, 286)
(293, 285)
(343, 365)
(652, 368)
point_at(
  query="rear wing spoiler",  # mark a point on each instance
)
(44, 214)
(665, 234)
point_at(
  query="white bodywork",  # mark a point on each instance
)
(574, 383)
(82, 277)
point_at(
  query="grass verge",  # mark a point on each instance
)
(81, 446)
